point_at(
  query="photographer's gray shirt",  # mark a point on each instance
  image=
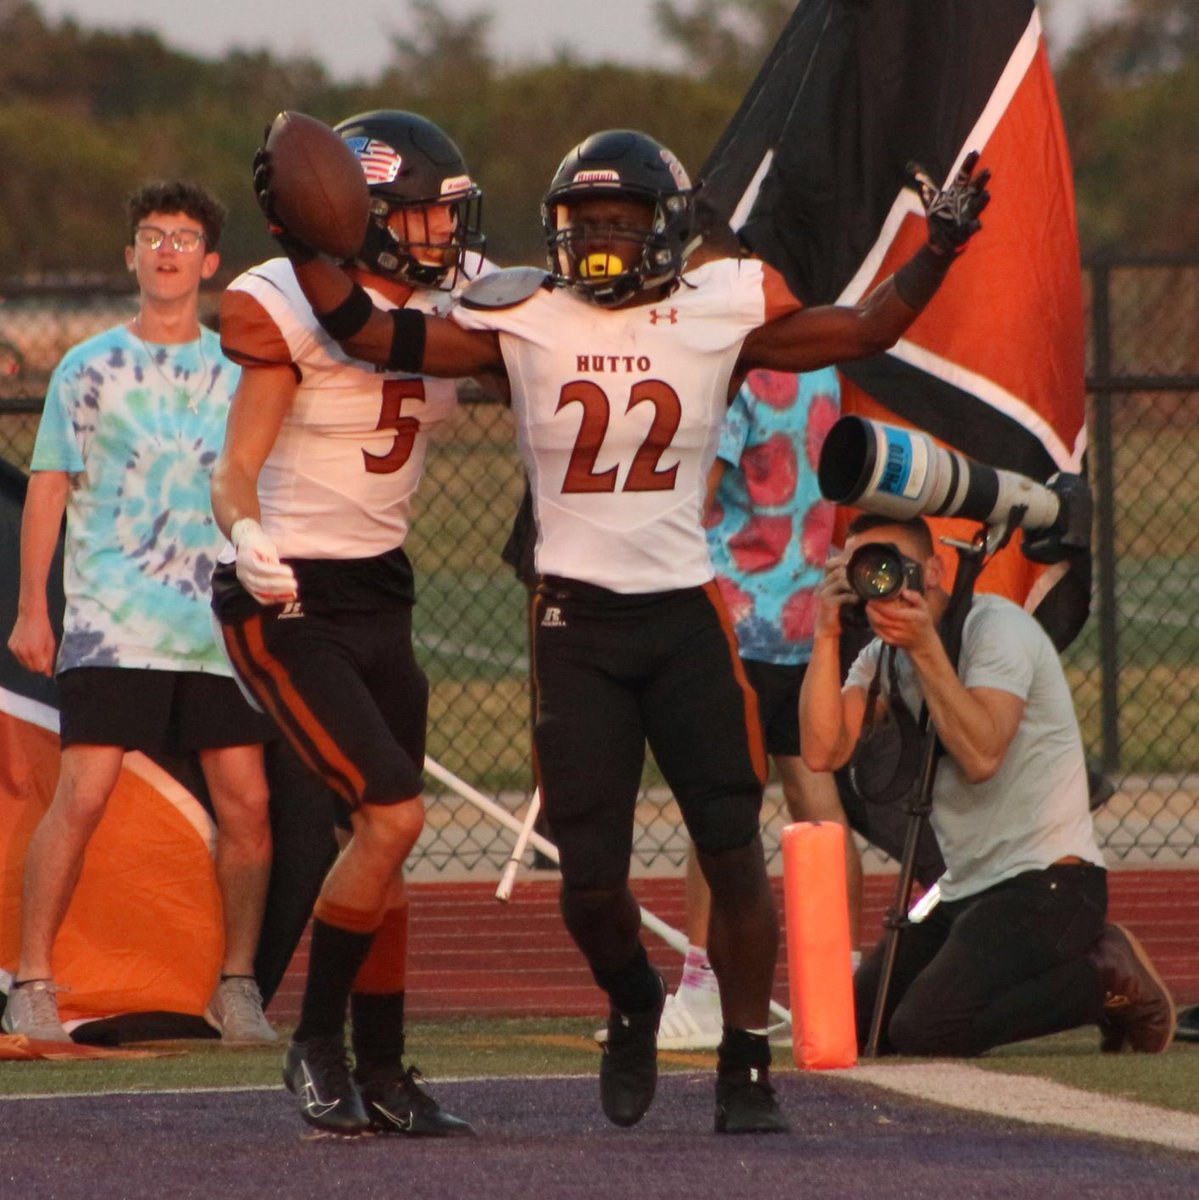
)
(1034, 809)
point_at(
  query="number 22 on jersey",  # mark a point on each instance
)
(643, 474)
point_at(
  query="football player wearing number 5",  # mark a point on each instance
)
(621, 364)
(321, 459)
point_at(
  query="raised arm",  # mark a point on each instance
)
(976, 725)
(826, 334)
(830, 717)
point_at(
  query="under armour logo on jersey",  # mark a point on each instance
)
(293, 608)
(671, 315)
(552, 618)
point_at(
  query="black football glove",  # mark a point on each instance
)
(952, 213)
(296, 250)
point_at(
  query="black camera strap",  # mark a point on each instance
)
(885, 764)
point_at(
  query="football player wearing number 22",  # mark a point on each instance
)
(322, 456)
(621, 365)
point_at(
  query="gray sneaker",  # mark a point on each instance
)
(236, 1010)
(33, 1011)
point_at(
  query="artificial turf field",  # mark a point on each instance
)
(203, 1120)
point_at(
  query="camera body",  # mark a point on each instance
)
(878, 571)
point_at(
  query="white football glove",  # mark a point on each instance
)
(261, 573)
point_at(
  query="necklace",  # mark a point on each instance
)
(193, 397)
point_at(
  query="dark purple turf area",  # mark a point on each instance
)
(546, 1140)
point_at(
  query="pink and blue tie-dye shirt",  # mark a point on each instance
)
(768, 528)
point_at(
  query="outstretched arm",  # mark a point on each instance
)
(826, 334)
(401, 338)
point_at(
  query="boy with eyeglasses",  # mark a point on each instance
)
(133, 422)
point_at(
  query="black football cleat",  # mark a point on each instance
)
(395, 1103)
(629, 1067)
(318, 1072)
(746, 1103)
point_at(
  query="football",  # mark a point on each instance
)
(318, 186)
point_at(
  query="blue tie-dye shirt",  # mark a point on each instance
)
(139, 436)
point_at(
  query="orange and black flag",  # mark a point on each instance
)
(810, 174)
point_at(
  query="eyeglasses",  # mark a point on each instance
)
(184, 240)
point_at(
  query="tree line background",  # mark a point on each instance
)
(85, 115)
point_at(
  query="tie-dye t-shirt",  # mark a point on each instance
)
(138, 428)
(768, 528)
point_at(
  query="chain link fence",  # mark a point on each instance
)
(1134, 670)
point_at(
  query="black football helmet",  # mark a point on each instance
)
(409, 164)
(631, 165)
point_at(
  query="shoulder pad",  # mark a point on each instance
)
(504, 289)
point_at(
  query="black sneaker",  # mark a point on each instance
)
(318, 1072)
(396, 1104)
(629, 1067)
(745, 1103)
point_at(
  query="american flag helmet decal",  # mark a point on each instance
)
(380, 163)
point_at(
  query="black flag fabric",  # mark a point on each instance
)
(810, 175)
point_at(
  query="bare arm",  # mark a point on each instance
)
(818, 337)
(830, 717)
(32, 638)
(827, 334)
(975, 725)
(449, 350)
(262, 399)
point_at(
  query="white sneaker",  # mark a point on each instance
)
(33, 1011)
(691, 1020)
(236, 1010)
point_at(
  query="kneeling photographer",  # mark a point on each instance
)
(1019, 946)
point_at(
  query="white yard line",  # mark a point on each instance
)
(1037, 1101)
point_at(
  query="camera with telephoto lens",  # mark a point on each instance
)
(903, 473)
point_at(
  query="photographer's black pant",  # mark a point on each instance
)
(1007, 964)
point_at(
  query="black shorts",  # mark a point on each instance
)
(613, 672)
(157, 712)
(777, 686)
(346, 691)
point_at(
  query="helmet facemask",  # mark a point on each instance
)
(407, 250)
(594, 260)
(627, 165)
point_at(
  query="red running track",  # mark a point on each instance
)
(472, 956)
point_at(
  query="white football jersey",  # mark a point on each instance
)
(339, 481)
(618, 416)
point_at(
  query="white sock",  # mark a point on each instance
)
(698, 975)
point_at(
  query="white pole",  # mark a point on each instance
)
(503, 891)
